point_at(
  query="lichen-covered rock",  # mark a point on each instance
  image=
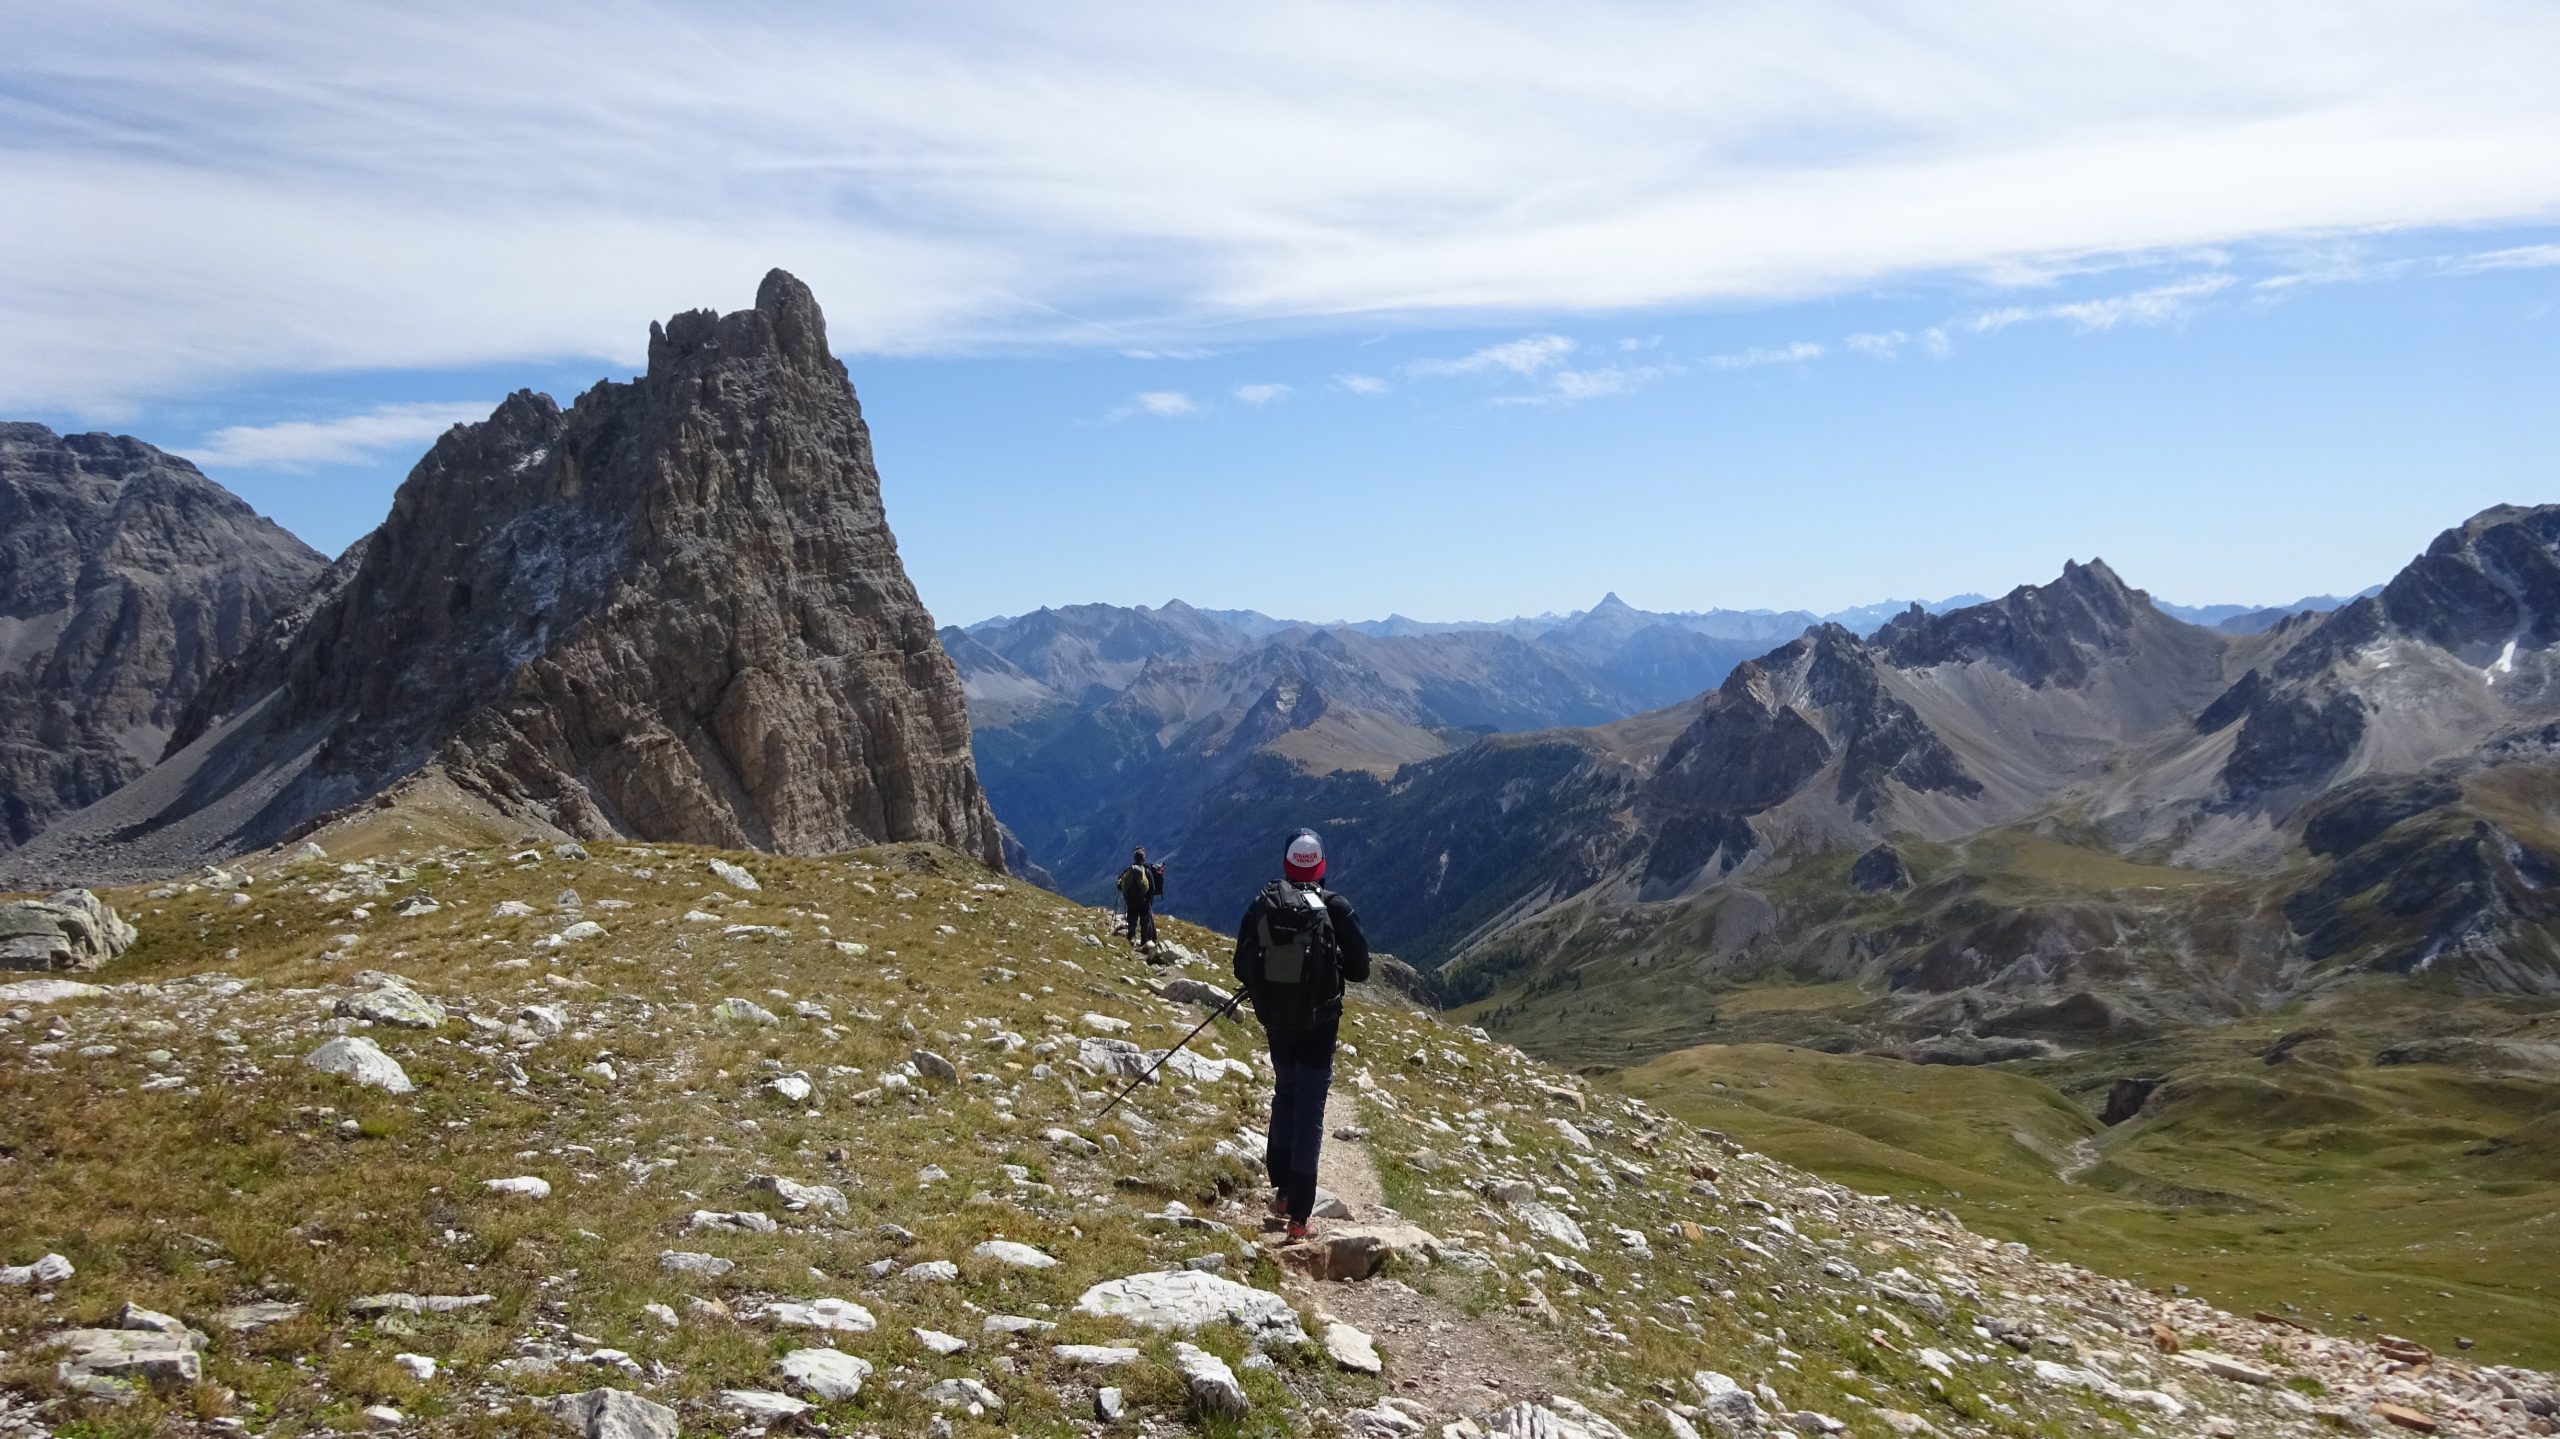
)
(673, 611)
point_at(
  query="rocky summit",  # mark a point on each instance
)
(672, 611)
(557, 1185)
(126, 578)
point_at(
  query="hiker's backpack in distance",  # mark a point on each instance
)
(1133, 883)
(1155, 880)
(1299, 975)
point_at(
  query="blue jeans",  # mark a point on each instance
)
(1302, 1068)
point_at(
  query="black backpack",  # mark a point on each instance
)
(1155, 880)
(1297, 980)
(1133, 883)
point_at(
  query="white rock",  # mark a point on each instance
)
(939, 1342)
(707, 1266)
(613, 1414)
(420, 1367)
(797, 1196)
(745, 1011)
(841, 1316)
(734, 877)
(1094, 1356)
(584, 929)
(1018, 1255)
(51, 1269)
(827, 1373)
(1351, 1349)
(763, 1404)
(964, 1394)
(1187, 1299)
(932, 1271)
(1212, 1384)
(383, 1416)
(528, 1185)
(48, 991)
(1558, 1418)
(355, 1057)
(1552, 1225)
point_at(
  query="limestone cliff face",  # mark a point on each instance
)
(674, 611)
(126, 576)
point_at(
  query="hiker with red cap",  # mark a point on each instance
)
(1299, 944)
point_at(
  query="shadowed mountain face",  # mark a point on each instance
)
(126, 577)
(673, 611)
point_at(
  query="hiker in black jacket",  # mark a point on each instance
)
(1298, 945)
(1138, 888)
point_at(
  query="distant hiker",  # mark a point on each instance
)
(1298, 945)
(1139, 887)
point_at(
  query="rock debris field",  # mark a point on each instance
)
(627, 1141)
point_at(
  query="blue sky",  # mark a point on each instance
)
(1335, 310)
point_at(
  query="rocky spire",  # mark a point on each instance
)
(673, 611)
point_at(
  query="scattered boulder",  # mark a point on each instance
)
(734, 877)
(1557, 1418)
(797, 1197)
(826, 1373)
(841, 1316)
(744, 1011)
(354, 1057)
(530, 1186)
(1187, 1299)
(613, 1414)
(70, 930)
(48, 991)
(1016, 1254)
(51, 1269)
(965, 1394)
(1213, 1386)
(1351, 1349)
(121, 1357)
(390, 1000)
(763, 1405)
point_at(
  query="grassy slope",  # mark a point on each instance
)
(258, 1178)
(2422, 1195)
(2328, 1182)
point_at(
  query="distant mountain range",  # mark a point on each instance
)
(1098, 727)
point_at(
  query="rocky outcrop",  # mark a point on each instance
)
(126, 577)
(673, 611)
(72, 930)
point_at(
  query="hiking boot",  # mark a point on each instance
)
(1298, 1231)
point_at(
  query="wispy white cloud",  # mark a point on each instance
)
(1934, 341)
(1360, 384)
(2521, 257)
(1881, 345)
(1525, 356)
(1132, 178)
(2158, 305)
(1263, 394)
(298, 444)
(1146, 354)
(1572, 386)
(1159, 404)
(1802, 352)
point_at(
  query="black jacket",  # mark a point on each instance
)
(1346, 935)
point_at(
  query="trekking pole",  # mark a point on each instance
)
(1214, 1016)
